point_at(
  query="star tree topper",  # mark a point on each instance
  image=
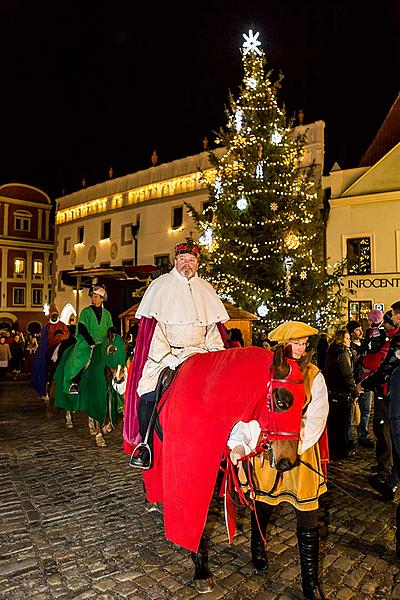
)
(251, 42)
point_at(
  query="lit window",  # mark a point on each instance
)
(19, 266)
(37, 296)
(38, 267)
(359, 256)
(18, 296)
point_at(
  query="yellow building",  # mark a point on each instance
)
(364, 222)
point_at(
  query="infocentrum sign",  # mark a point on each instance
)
(385, 280)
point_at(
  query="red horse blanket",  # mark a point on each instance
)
(210, 394)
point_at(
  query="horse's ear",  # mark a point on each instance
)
(280, 364)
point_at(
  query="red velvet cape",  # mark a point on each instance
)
(210, 393)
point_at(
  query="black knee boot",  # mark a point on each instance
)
(203, 580)
(308, 540)
(398, 531)
(258, 554)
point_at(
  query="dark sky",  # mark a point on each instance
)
(86, 85)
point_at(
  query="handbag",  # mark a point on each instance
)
(355, 414)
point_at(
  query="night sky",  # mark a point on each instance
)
(88, 85)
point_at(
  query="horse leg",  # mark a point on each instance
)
(100, 441)
(68, 420)
(92, 426)
(203, 580)
(259, 524)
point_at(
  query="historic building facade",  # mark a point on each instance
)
(137, 219)
(26, 254)
(364, 222)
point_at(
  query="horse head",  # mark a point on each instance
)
(286, 400)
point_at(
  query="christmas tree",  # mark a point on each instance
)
(262, 229)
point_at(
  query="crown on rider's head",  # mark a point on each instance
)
(188, 247)
(291, 330)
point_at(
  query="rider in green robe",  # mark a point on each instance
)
(93, 325)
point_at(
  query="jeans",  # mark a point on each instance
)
(364, 402)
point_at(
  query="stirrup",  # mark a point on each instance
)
(141, 457)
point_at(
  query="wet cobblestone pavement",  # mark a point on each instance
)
(73, 524)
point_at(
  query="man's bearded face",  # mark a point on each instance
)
(187, 265)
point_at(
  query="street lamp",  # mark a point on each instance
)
(135, 230)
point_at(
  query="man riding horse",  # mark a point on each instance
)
(180, 315)
(84, 376)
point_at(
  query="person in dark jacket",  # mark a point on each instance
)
(17, 355)
(342, 392)
(388, 374)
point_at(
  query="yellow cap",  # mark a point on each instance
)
(291, 330)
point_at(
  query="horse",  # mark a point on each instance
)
(97, 396)
(210, 393)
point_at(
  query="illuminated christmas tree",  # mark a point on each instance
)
(262, 230)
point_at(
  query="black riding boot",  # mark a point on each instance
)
(203, 580)
(398, 531)
(308, 540)
(258, 554)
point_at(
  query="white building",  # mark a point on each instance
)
(94, 225)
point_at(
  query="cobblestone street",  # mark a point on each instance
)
(73, 524)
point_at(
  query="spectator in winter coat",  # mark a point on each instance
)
(5, 356)
(17, 355)
(342, 392)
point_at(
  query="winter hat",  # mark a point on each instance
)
(387, 318)
(352, 325)
(376, 316)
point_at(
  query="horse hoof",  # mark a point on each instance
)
(100, 441)
(69, 425)
(107, 428)
(203, 586)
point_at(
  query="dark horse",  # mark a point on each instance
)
(211, 393)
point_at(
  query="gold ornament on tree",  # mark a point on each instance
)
(292, 241)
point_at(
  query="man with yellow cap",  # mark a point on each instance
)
(302, 485)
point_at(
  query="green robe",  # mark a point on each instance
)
(81, 350)
(96, 394)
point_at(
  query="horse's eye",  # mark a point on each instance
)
(282, 399)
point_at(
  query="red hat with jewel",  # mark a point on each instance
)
(188, 247)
